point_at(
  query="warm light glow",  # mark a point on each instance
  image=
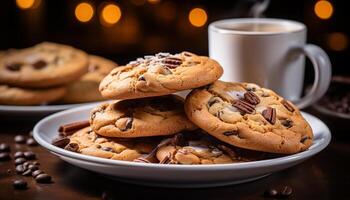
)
(25, 4)
(138, 2)
(337, 41)
(110, 15)
(323, 9)
(84, 12)
(198, 17)
(153, 1)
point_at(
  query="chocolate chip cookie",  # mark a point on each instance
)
(86, 88)
(159, 75)
(85, 141)
(248, 116)
(20, 96)
(44, 65)
(151, 116)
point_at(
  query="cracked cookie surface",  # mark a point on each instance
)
(43, 65)
(152, 116)
(86, 88)
(248, 116)
(85, 141)
(21, 96)
(159, 75)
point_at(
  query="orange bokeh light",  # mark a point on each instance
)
(197, 17)
(110, 14)
(84, 12)
(323, 9)
(338, 41)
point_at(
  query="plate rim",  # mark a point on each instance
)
(244, 165)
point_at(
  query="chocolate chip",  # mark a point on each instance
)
(37, 172)
(31, 142)
(228, 151)
(20, 161)
(287, 123)
(251, 98)
(244, 107)
(29, 155)
(107, 149)
(39, 64)
(212, 101)
(74, 147)
(287, 105)
(128, 123)
(233, 132)
(304, 138)
(19, 154)
(43, 178)
(271, 192)
(179, 140)
(14, 66)
(141, 78)
(28, 172)
(286, 192)
(19, 184)
(20, 169)
(269, 114)
(61, 142)
(5, 147)
(4, 156)
(20, 139)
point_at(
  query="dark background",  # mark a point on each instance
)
(163, 26)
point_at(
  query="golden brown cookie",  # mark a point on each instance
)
(44, 65)
(86, 88)
(21, 96)
(248, 116)
(85, 141)
(159, 75)
(153, 116)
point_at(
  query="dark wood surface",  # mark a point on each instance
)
(325, 176)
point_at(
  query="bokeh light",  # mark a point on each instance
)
(323, 9)
(337, 41)
(84, 12)
(110, 14)
(153, 1)
(138, 2)
(26, 4)
(197, 17)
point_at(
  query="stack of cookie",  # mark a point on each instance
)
(50, 72)
(218, 122)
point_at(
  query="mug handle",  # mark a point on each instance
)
(323, 73)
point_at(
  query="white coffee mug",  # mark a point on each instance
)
(269, 52)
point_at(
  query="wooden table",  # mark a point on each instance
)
(325, 176)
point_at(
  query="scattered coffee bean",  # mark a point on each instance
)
(29, 155)
(28, 172)
(4, 156)
(20, 161)
(37, 172)
(19, 184)
(31, 142)
(61, 142)
(33, 167)
(20, 139)
(4, 147)
(43, 178)
(271, 193)
(19, 154)
(20, 169)
(36, 163)
(26, 164)
(286, 191)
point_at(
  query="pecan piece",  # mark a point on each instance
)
(172, 62)
(252, 98)
(287, 105)
(244, 106)
(270, 115)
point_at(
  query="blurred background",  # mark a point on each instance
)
(123, 30)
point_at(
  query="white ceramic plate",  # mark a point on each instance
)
(173, 175)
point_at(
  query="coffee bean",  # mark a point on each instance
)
(37, 172)
(286, 191)
(33, 167)
(271, 193)
(20, 161)
(61, 142)
(29, 155)
(26, 164)
(4, 147)
(31, 142)
(20, 139)
(28, 172)
(20, 169)
(19, 154)
(36, 163)
(5, 156)
(19, 184)
(43, 178)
